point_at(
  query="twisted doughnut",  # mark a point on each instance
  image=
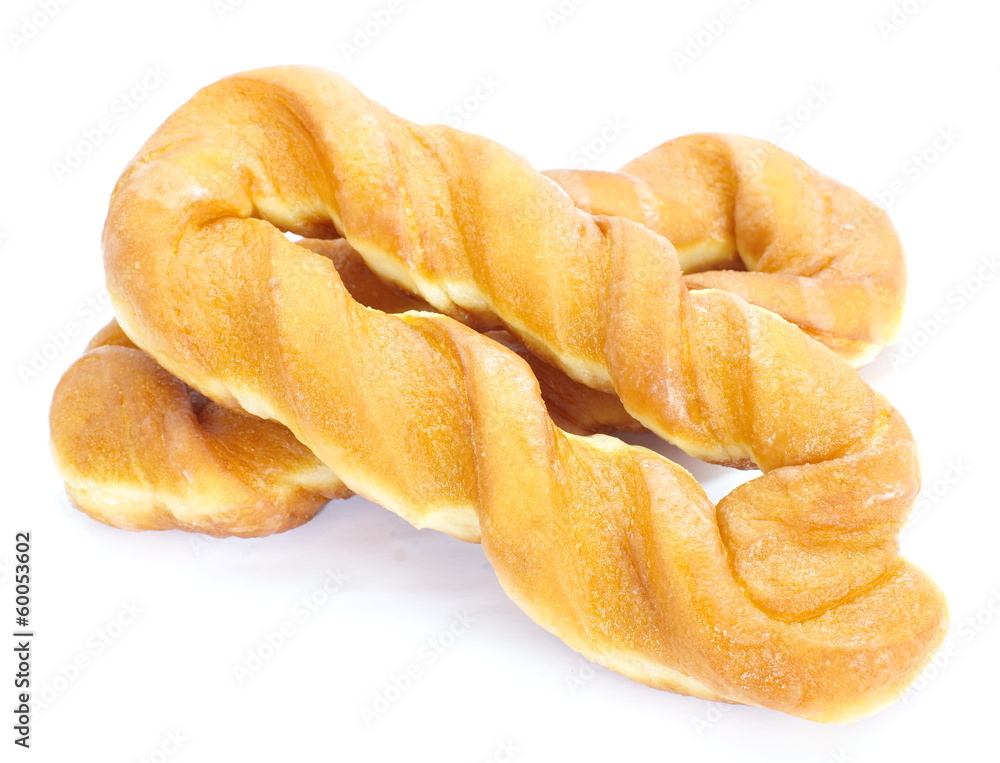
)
(141, 450)
(790, 594)
(817, 252)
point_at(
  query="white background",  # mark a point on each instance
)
(891, 84)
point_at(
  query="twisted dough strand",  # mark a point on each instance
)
(141, 450)
(669, 616)
(790, 595)
(818, 253)
(476, 233)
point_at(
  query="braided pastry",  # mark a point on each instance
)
(816, 252)
(141, 450)
(790, 594)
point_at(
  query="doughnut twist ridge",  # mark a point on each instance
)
(751, 218)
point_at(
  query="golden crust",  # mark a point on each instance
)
(789, 595)
(141, 450)
(750, 218)
(573, 406)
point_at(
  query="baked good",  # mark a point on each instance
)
(751, 218)
(789, 594)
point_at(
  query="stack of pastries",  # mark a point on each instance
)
(457, 336)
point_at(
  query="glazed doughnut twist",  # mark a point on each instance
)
(816, 252)
(141, 450)
(790, 594)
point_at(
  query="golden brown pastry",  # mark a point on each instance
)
(141, 450)
(149, 452)
(572, 406)
(750, 218)
(789, 594)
